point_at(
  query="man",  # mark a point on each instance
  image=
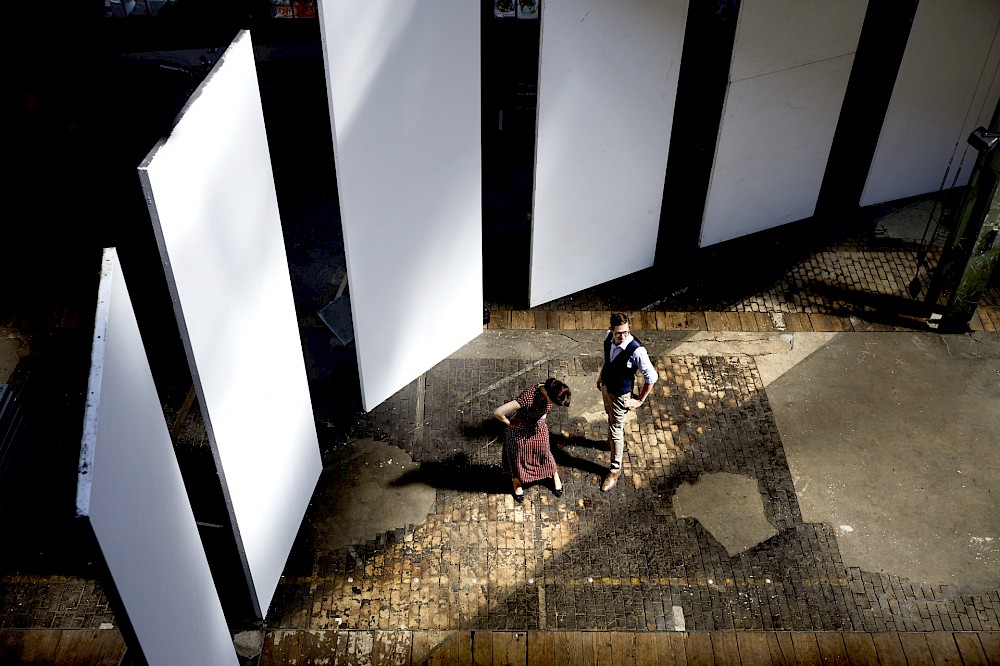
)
(623, 355)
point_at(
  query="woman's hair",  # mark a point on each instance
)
(557, 391)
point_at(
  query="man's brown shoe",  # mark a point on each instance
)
(611, 479)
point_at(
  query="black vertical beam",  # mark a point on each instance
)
(701, 93)
(876, 64)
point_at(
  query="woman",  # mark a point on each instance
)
(527, 456)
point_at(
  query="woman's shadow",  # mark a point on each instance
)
(460, 473)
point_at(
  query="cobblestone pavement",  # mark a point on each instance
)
(597, 561)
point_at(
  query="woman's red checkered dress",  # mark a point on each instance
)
(527, 455)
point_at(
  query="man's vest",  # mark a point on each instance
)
(616, 375)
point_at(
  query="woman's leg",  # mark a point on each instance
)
(556, 481)
(518, 490)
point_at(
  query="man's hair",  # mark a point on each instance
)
(618, 318)
(557, 391)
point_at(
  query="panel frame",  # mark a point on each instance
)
(210, 192)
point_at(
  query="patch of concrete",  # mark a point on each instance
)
(729, 506)
(248, 644)
(892, 440)
(13, 346)
(774, 353)
(358, 498)
(909, 223)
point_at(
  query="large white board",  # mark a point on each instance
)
(606, 90)
(211, 196)
(405, 104)
(947, 86)
(131, 491)
(791, 63)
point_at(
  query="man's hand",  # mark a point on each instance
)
(632, 403)
(598, 382)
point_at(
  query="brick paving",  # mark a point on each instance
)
(618, 561)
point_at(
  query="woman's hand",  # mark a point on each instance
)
(505, 411)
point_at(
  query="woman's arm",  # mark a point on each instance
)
(505, 411)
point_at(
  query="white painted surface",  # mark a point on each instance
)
(606, 91)
(947, 86)
(791, 63)
(405, 104)
(132, 492)
(211, 195)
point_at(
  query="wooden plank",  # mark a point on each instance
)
(623, 648)
(582, 320)
(916, 650)
(991, 645)
(779, 644)
(831, 648)
(565, 320)
(724, 647)
(522, 319)
(764, 322)
(671, 648)
(753, 648)
(321, 646)
(112, 648)
(10, 644)
(796, 322)
(482, 648)
(943, 648)
(442, 648)
(541, 319)
(602, 649)
(390, 648)
(542, 649)
(820, 322)
(39, 646)
(645, 649)
(806, 648)
(841, 324)
(889, 649)
(990, 317)
(715, 321)
(360, 648)
(78, 647)
(860, 648)
(748, 322)
(510, 648)
(699, 649)
(648, 320)
(970, 649)
(571, 648)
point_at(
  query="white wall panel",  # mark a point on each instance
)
(131, 490)
(211, 195)
(791, 63)
(946, 87)
(405, 105)
(606, 91)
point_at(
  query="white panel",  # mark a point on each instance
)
(791, 63)
(945, 88)
(211, 195)
(606, 90)
(405, 100)
(777, 130)
(131, 490)
(780, 34)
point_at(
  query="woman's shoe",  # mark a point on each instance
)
(558, 492)
(518, 498)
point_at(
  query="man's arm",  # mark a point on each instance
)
(648, 373)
